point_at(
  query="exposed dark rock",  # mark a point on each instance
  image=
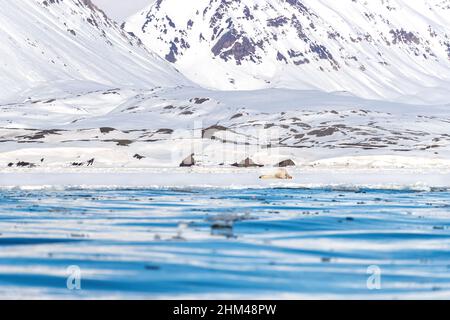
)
(208, 133)
(448, 49)
(121, 142)
(233, 45)
(402, 36)
(295, 54)
(138, 156)
(108, 92)
(40, 134)
(91, 162)
(105, 130)
(36, 136)
(321, 51)
(323, 132)
(171, 24)
(25, 164)
(286, 163)
(171, 56)
(165, 131)
(51, 131)
(277, 22)
(299, 5)
(77, 164)
(237, 115)
(281, 57)
(188, 162)
(247, 163)
(302, 61)
(247, 14)
(199, 100)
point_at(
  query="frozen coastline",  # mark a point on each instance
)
(138, 138)
(226, 178)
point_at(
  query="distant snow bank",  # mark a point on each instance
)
(384, 161)
(117, 137)
(227, 178)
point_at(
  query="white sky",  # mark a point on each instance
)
(121, 9)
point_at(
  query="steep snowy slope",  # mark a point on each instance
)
(388, 49)
(121, 10)
(54, 41)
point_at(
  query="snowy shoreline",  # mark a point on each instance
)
(224, 178)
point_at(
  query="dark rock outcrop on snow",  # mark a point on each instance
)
(209, 132)
(247, 163)
(188, 162)
(286, 163)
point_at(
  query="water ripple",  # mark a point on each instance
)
(212, 243)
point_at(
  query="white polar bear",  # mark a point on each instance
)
(280, 174)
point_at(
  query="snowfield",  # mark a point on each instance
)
(82, 94)
(220, 178)
(114, 130)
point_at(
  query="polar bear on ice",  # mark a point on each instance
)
(281, 174)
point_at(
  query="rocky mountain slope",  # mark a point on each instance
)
(383, 49)
(51, 42)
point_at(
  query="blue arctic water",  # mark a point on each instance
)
(208, 243)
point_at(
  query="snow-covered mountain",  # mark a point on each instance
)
(46, 42)
(79, 92)
(384, 49)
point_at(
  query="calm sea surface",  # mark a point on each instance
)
(212, 243)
